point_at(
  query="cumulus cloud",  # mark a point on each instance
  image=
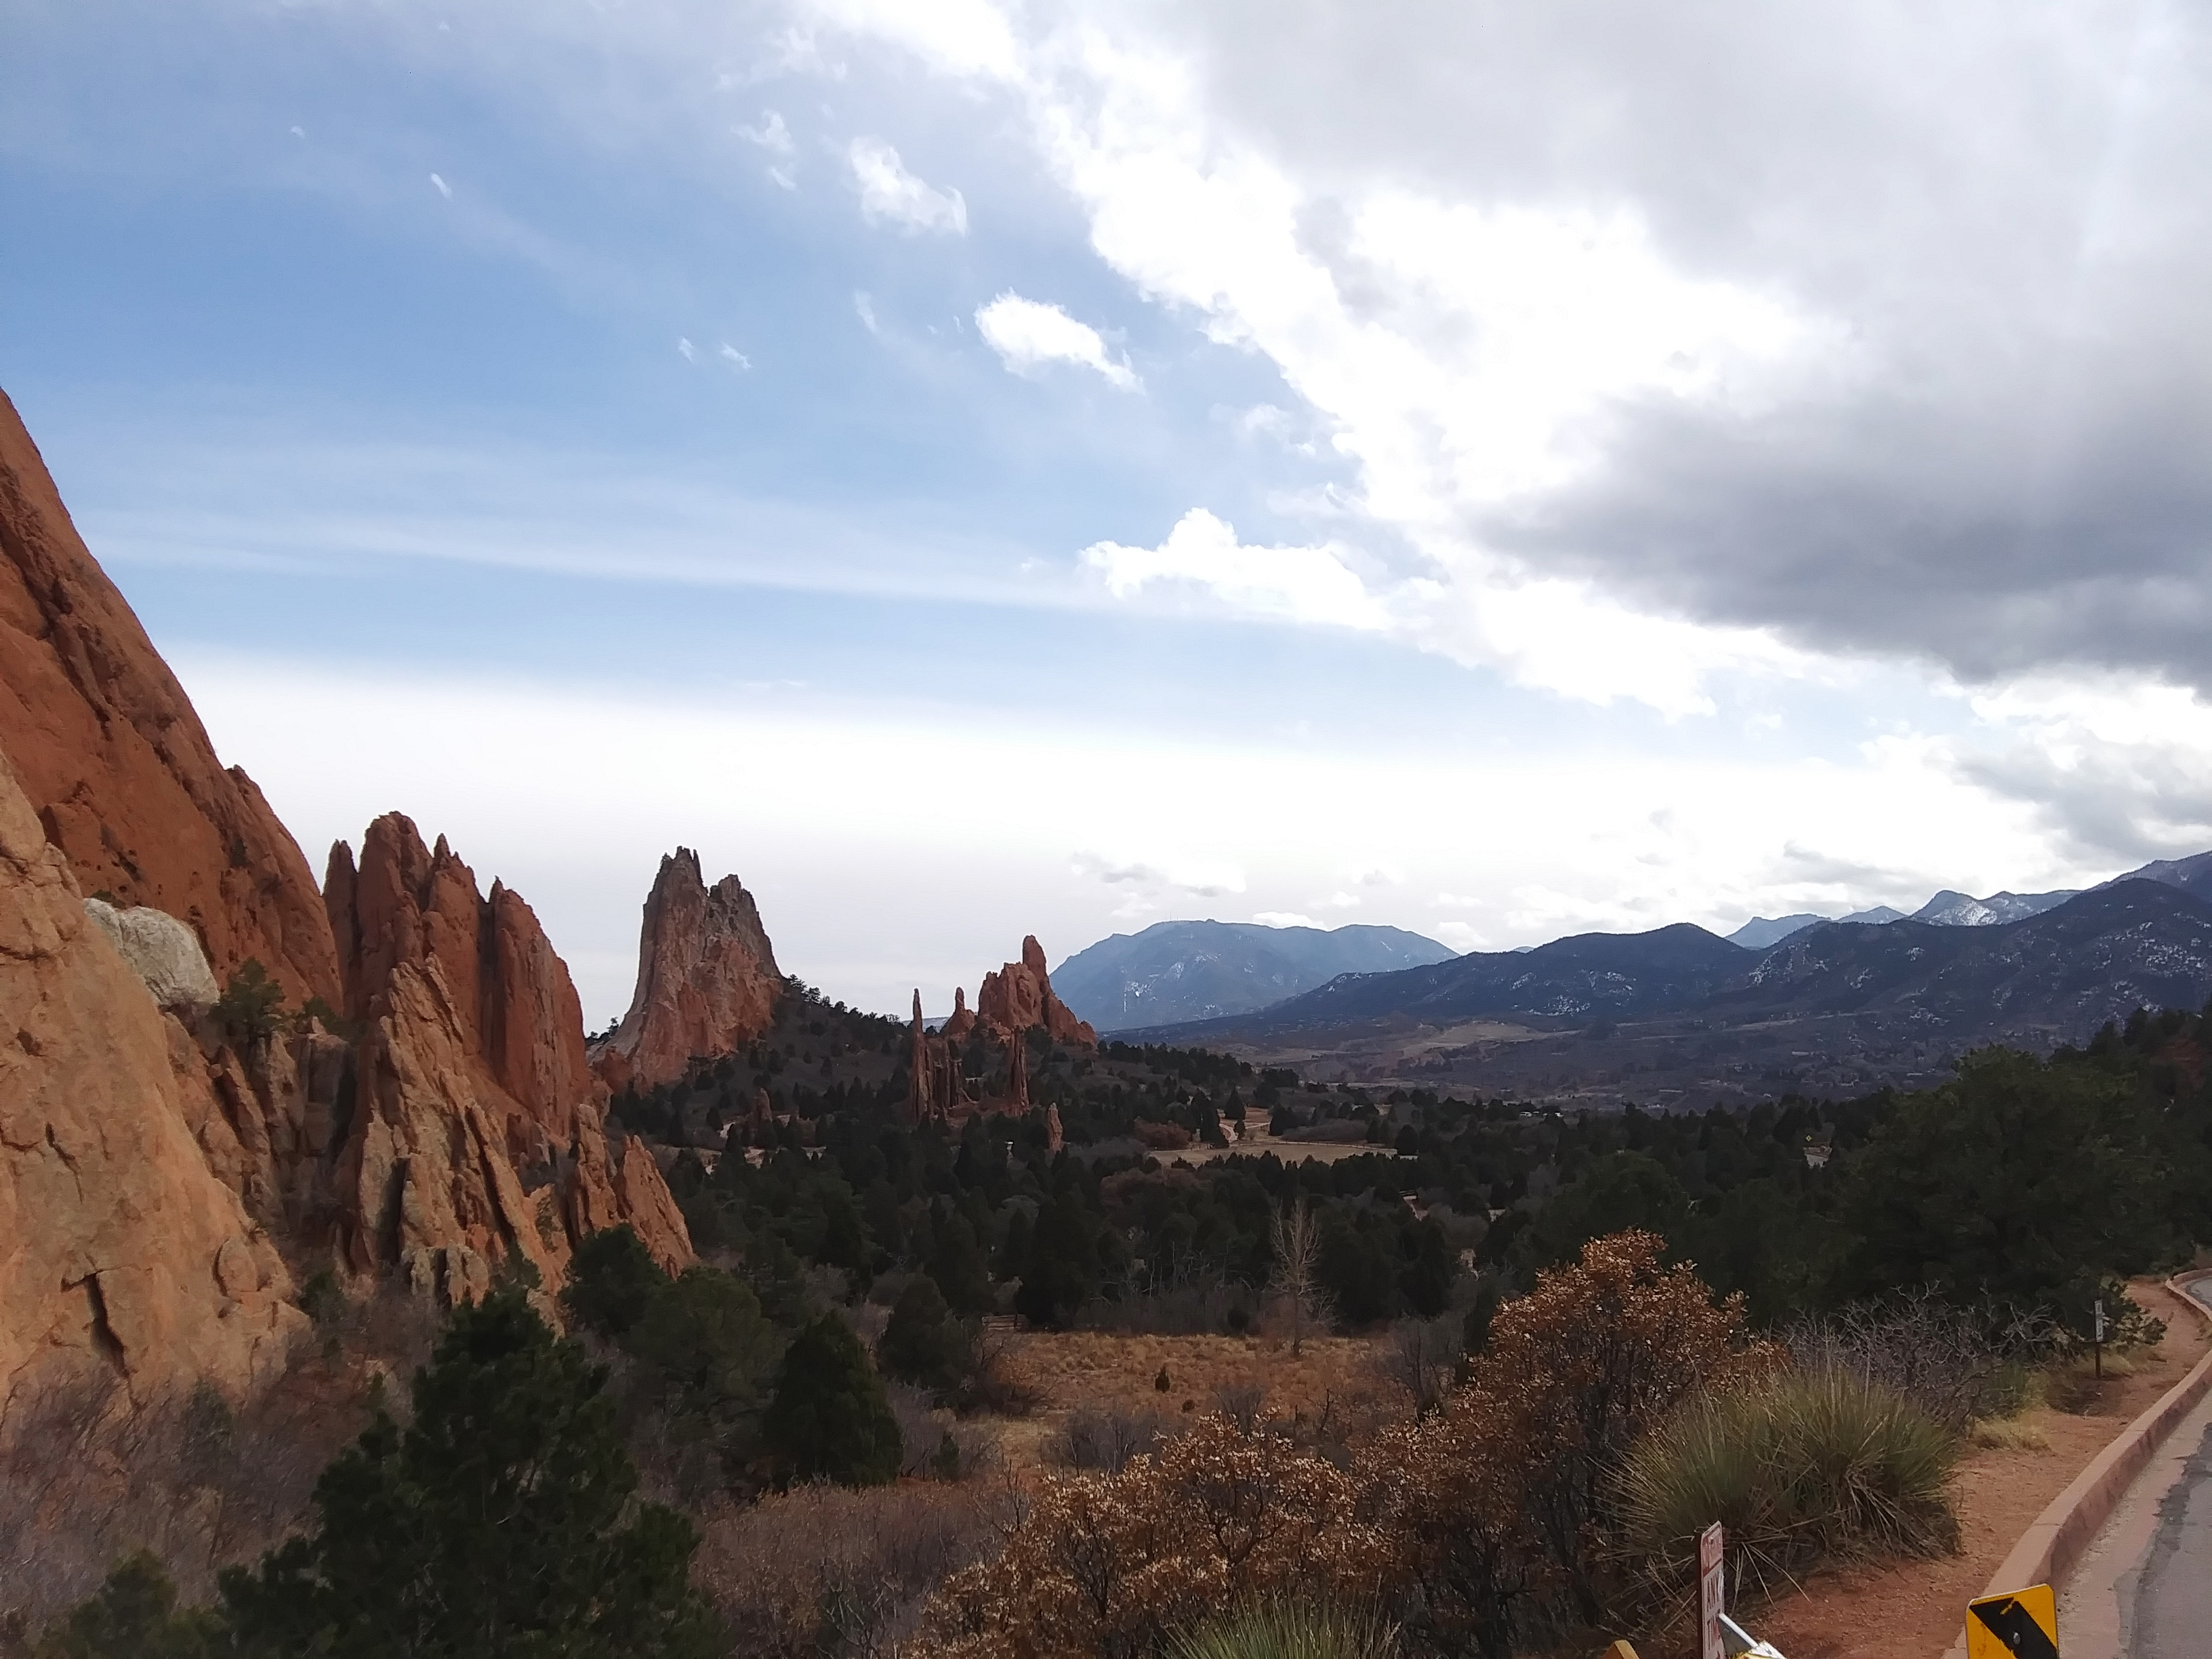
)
(1293, 583)
(1283, 919)
(891, 194)
(1027, 335)
(2116, 770)
(1752, 336)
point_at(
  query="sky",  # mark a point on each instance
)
(975, 469)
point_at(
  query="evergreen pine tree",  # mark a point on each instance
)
(1013, 1258)
(957, 1266)
(829, 1419)
(612, 1280)
(1062, 1271)
(500, 1522)
(923, 1343)
(134, 1616)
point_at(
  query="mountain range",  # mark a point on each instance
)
(1948, 909)
(1175, 971)
(1680, 1013)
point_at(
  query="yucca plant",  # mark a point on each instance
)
(1289, 1630)
(1811, 1465)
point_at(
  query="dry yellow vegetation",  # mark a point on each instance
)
(1106, 1372)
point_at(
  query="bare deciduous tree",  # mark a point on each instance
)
(1296, 1239)
(1421, 1358)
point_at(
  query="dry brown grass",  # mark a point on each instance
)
(830, 1569)
(2008, 1434)
(1333, 1387)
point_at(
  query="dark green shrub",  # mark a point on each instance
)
(503, 1520)
(134, 1615)
(247, 1011)
(829, 1419)
(611, 1282)
(923, 1343)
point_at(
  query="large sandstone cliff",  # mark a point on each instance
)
(116, 765)
(707, 978)
(120, 1246)
(155, 1161)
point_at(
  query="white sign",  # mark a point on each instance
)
(1712, 1600)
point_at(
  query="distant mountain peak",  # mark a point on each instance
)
(1175, 971)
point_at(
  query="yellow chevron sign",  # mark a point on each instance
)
(2022, 1625)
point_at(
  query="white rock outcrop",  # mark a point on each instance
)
(162, 952)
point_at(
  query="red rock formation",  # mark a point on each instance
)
(956, 1029)
(476, 1133)
(937, 1088)
(116, 765)
(118, 1246)
(147, 1172)
(1019, 997)
(707, 978)
(517, 1008)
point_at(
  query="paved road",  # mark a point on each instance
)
(2169, 1616)
(2144, 1588)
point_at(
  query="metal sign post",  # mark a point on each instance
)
(1712, 1593)
(2097, 1337)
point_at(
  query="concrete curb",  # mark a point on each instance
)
(2055, 1540)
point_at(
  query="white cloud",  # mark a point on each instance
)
(1291, 583)
(684, 349)
(771, 135)
(774, 137)
(737, 359)
(864, 309)
(1465, 356)
(890, 193)
(1283, 919)
(443, 188)
(1028, 334)
(1339, 900)
(1194, 874)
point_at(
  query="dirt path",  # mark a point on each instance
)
(1915, 1611)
